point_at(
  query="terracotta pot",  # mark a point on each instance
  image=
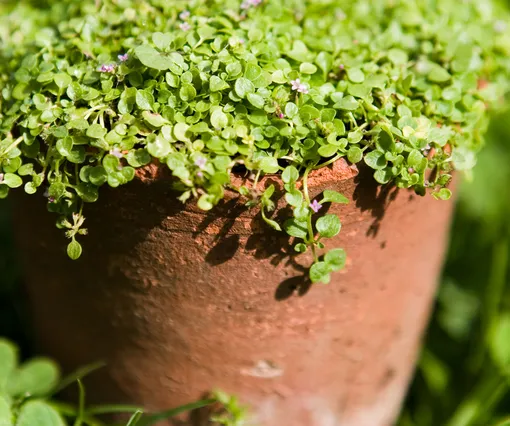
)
(179, 302)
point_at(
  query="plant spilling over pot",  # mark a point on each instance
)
(93, 90)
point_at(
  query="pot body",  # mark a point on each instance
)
(179, 302)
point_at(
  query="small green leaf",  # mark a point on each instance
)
(325, 62)
(355, 154)
(336, 259)
(320, 272)
(376, 160)
(216, 84)
(327, 151)
(334, 197)
(415, 158)
(162, 41)
(296, 228)
(290, 174)
(204, 202)
(355, 75)
(62, 80)
(180, 132)
(307, 68)
(37, 377)
(187, 92)
(291, 110)
(272, 223)
(269, 165)
(244, 86)
(87, 192)
(256, 100)
(328, 226)
(151, 58)
(438, 74)
(294, 198)
(300, 248)
(155, 120)
(97, 175)
(348, 103)
(96, 131)
(39, 413)
(219, 119)
(443, 194)
(144, 99)
(12, 180)
(74, 250)
(57, 190)
(398, 56)
(159, 148)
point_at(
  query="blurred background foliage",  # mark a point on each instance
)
(463, 377)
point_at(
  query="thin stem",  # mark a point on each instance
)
(255, 182)
(311, 235)
(327, 163)
(13, 145)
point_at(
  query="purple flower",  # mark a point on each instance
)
(341, 66)
(298, 86)
(116, 153)
(107, 68)
(1, 177)
(184, 15)
(280, 115)
(315, 206)
(200, 162)
(123, 58)
(200, 174)
(184, 26)
(47, 195)
(410, 170)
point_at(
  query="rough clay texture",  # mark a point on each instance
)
(179, 302)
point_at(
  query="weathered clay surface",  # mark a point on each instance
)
(179, 302)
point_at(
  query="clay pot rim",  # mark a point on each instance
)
(340, 170)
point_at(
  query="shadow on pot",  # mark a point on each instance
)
(371, 196)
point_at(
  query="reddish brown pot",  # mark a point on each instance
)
(179, 302)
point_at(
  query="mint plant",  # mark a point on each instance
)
(93, 90)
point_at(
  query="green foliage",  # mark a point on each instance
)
(93, 90)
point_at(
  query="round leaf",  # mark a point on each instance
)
(37, 377)
(336, 259)
(320, 272)
(12, 180)
(74, 250)
(328, 226)
(39, 413)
